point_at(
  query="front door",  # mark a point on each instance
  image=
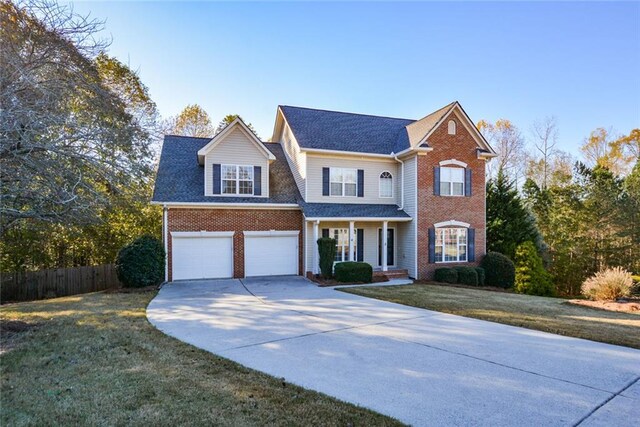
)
(390, 246)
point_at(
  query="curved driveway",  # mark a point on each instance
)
(421, 367)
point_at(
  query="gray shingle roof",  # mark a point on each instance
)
(181, 179)
(349, 210)
(332, 130)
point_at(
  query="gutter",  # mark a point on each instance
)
(218, 205)
(165, 239)
(401, 182)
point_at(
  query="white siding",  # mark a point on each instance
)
(236, 149)
(370, 254)
(372, 170)
(295, 158)
(407, 231)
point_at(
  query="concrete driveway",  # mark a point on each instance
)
(419, 366)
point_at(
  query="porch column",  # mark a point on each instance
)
(385, 225)
(316, 255)
(352, 240)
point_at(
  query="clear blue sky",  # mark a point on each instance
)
(521, 61)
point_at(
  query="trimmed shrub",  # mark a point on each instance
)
(480, 272)
(327, 251)
(609, 284)
(531, 277)
(467, 275)
(141, 263)
(446, 275)
(352, 271)
(498, 270)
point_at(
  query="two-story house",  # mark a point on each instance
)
(396, 193)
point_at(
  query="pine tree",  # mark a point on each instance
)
(531, 277)
(509, 222)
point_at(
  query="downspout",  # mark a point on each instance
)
(165, 239)
(401, 181)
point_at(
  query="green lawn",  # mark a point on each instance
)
(553, 315)
(95, 360)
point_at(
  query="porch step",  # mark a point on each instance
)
(392, 274)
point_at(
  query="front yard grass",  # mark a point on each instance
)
(94, 359)
(553, 315)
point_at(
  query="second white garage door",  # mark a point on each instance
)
(270, 253)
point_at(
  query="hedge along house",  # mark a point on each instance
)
(402, 195)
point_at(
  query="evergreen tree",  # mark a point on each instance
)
(509, 222)
(531, 277)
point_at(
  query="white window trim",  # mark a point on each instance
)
(238, 180)
(464, 172)
(380, 185)
(343, 182)
(466, 245)
(452, 224)
(453, 162)
(455, 127)
(395, 245)
(202, 233)
(355, 243)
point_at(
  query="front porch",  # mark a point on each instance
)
(383, 243)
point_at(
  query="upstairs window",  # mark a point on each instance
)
(452, 127)
(451, 181)
(386, 184)
(343, 182)
(451, 245)
(237, 179)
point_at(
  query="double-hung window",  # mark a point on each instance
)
(237, 179)
(343, 182)
(341, 235)
(451, 244)
(451, 181)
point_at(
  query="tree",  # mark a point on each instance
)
(601, 149)
(65, 137)
(531, 277)
(193, 121)
(229, 118)
(545, 134)
(509, 222)
(629, 148)
(507, 141)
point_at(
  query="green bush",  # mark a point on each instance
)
(327, 251)
(531, 277)
(446, 275)
(352, 271)
(498, 270)
(480, 272)
(467, 275)
(141, 263)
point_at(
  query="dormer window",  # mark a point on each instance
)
(237, 179)
(452, 127)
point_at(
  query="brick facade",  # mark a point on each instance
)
(433, 209)
(238, 220)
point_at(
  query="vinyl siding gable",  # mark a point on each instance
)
(296, 159)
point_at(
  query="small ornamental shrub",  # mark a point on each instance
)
(498, 270)
(467, 275)
(446, 275)
(480, 272)
(608, 284)
(531, 277)
(327, 251)
(141, 263)
(352, 271)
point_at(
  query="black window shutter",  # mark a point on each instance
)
(436, 180)
(325, 182)
(467, 182)
(216, 179)
(325, 232)
(257, 180)
(471, 244)
(360, 245)
(360, 182)
(432, 245)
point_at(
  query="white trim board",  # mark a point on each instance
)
(451, 223)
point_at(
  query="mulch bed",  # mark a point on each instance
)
(323, 283)
(631, 305)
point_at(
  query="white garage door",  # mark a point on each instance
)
(270, 253)
(202, 255)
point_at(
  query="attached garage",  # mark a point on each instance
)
(271, 253)
(202, 255)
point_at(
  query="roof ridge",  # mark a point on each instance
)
(347, 112)
(186, 136)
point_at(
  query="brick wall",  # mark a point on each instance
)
(237, 220)
(433, 209)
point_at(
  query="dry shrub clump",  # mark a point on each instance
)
(608, 284)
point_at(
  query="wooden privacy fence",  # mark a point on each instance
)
(58, 282)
